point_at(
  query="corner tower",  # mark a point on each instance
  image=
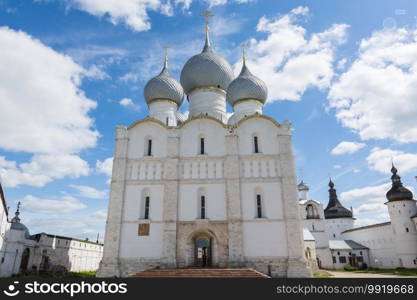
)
(402, 208)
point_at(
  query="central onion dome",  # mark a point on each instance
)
(206, 69)
(164, 87)
(246, 86)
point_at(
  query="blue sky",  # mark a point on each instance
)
(343, 72)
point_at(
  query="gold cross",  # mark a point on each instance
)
(206, 14)
(166, 48)
(243, 46)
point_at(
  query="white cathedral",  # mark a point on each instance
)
(208, 190)
(204, 190)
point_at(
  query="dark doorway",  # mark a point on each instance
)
(203, 251)
(25, 260)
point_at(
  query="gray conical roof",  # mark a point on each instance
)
(206, 69)
(334, 208)
(164, 87)
(246, 86)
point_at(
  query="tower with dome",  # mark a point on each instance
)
(204, 190)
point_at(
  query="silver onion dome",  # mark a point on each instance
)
(246, 86)
(164, 87)
(206, 69)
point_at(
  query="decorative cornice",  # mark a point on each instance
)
(202, 116)
(257, 115)
(208, 87)
(162, 100)
(247, 100)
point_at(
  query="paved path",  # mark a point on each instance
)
(364, 275)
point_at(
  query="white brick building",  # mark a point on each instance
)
(204, 190)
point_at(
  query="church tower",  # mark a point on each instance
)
(204, 191)
(338, 218)
(402, 208)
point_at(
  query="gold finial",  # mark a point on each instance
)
(207, 15)
(243, 46)
(166, 48)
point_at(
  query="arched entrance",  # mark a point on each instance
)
(203, 251)
(25, 260)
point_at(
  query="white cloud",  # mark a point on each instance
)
(134, 13)
(42, 169)
(105, 166)
(44, 111)
(376, 96)
(128, 103)
(43, 108)
(347, 147)
(89, 192)
(370, 200)
(66, 204)
(381, 159)
(289, 60)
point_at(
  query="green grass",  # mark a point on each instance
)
(321, 276)
(89, 274)
(402, 272)
(86, 274)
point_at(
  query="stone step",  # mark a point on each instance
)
(200, 273)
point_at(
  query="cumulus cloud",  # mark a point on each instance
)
(89, 192)
(381, 159)
(134, 13)
(376, 95)
(128, 103)
(42, 169)
(370, 203)
(65, 204)
(289, 60)
(347, 148)
(105, 166)
(44, 111)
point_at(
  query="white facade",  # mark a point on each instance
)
(228, 174)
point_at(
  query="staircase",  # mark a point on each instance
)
(200, 273)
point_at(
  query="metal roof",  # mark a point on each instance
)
(345, 245)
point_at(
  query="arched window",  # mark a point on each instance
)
(145, 205)
(255, 144)
(146, 213)
(312, 212)
(201, 144)
(258, 206)
(202, 203)
(202, 207)
(148, 147)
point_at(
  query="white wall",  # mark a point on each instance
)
(213, 133)
(335, 227)
(380, 242)
(138, 136)
(264, 238)
(267, 136)
(189, 201)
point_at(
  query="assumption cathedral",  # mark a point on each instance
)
(209, 190)
(204, 190)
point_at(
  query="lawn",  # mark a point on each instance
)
(87, 274)
(402, 272)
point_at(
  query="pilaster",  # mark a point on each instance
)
(234, 210)
(297, 265)
(170, 206)
(110, 266)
